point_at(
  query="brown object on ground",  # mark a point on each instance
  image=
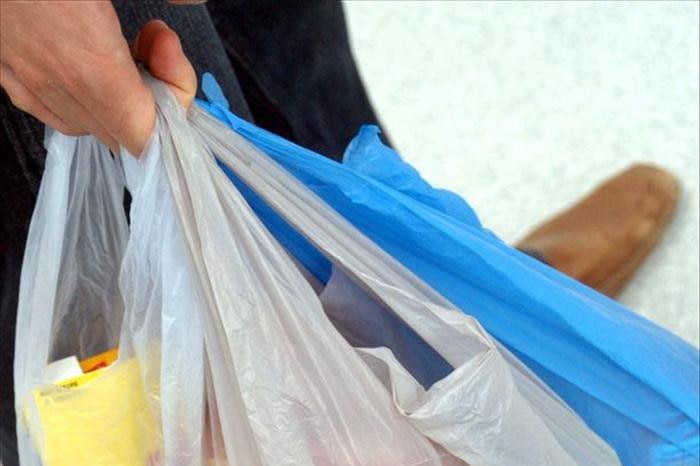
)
(602, 240)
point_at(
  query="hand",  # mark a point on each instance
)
(68, 64)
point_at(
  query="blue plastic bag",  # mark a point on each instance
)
(634, 383)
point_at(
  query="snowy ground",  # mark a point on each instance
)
(524, 107)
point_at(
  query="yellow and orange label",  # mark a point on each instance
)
(99, 361)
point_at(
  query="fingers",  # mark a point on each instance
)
(26, 101)
(70, 108)
(39, 101)
(159, 48)
(63, 59)
(132, 120)
(69, 65)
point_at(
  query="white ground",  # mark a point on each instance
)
(523, 107)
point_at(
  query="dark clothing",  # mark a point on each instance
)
(296, 70)
(285, 65)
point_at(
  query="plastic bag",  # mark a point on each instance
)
(288, 389)
(84, 290)
(70, 306)
(238, 361)
(478, 411)
(634, 383)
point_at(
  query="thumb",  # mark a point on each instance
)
(158, 48)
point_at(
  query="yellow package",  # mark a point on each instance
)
(101, 418)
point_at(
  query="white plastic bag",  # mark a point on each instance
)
(83, 291)
(69, 304)
(289, 389)
(490, 410)
(237, 360)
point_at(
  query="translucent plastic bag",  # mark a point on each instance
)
(490, 409)
(70, 307)
(288, 389)
(239, 364)
(83, 291)
(634, 383)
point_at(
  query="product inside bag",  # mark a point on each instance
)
(98, 418)
(226, 353)
(78, 403)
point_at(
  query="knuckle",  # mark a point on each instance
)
(22, 101)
